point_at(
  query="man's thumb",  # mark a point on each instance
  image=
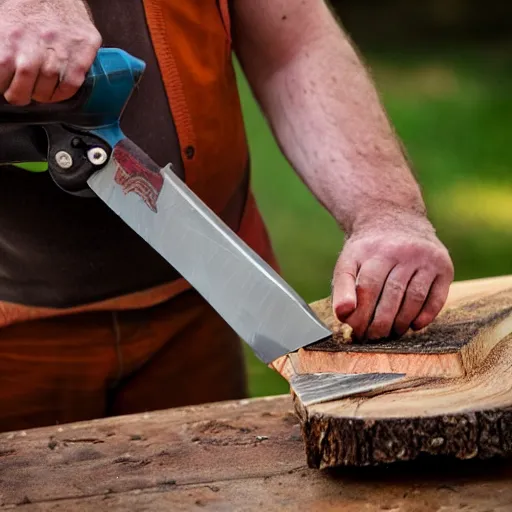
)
(344, 297)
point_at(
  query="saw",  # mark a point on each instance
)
(88, 155)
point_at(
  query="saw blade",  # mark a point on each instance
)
(243, 288)
(314, 388)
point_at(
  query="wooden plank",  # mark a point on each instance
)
(186, 446)
(210, 457)
(456, 399)
(305, 491)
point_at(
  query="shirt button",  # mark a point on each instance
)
(190, 152)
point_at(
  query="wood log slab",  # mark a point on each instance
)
(235, 456)
(456, 399)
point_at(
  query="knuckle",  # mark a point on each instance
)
(79, 72)
(415, 246)
(49, 35)
(58, 52)
(50, 71)
(50, 74)
(417, 293)
(27, 68)
(94, 39)
(6, 60)
(440, 259)
(437, 260)
(25, 71)
(449, 268)
(78, 38)
(368, 282)
(73, 85)
(396, 286)
(410, 248)
(72, 81)
(16, 33)
(91, 38)
(78, 69)
(345, 263)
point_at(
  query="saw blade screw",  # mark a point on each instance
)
(97, 156)
(64, 160)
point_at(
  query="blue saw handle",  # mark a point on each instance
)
(96, 107)
(88, 120)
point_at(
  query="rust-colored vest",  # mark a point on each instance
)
(192, 43)
(193, 49)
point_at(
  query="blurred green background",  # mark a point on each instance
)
(445, 78)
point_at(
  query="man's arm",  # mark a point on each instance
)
(46, 49)
(324, 110)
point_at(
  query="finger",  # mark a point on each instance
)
(369, 284)
(6, 69)
(69, 84)
(434, 303)
(27, 67)
(390, 302)
(344, 299)
(78, 66)
(48, 78)
(415, 296)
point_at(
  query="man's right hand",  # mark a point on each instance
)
(46, 49)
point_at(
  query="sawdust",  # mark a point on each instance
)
(342, 333)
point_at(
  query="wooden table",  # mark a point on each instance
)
(233, 456)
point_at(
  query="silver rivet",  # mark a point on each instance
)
(64, 160)
(97, 156)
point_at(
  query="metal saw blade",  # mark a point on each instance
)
(247, 292)
(314, 388)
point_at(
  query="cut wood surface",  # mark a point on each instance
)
(236, 456)
(460, 339)
(456, 399)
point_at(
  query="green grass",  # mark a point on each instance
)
(453, 110)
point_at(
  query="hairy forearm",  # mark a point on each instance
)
(327, 117)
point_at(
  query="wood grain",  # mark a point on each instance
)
(459, 339)
(456, 401)
(245, 456)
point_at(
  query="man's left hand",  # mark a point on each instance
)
(388, 280)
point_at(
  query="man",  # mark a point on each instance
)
(94, 322)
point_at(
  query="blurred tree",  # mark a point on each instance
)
(396, 21)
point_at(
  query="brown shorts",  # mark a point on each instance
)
(93, 365)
